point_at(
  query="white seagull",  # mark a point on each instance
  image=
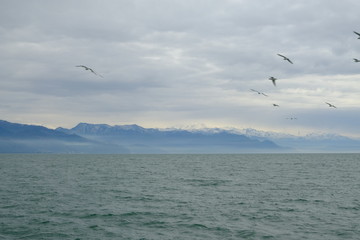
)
(330, 105)
(87, 68)
(357, 34)
(259, 92)
(273, 80)
(285, 58)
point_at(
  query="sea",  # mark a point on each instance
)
(199, 196)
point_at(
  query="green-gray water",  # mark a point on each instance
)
(254, 196)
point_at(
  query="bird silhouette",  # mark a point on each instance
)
(356, 60)
(89, 69)
(273, 80)
(275, 105)
(358, 34)
(330, 105)
(259, 92)
(285, 58)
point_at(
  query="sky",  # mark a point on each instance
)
(183, 64)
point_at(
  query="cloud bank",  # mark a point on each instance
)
(182, 63)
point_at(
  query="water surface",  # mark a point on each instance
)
(243, 196)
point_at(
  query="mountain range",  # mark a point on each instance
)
(103, 138)
(313, 142)
(22, 138)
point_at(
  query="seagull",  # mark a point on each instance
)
(286, 59)
(275, 105)
(87, 68)
(292, 118)
(273, 80)
(330, 105)
(356, 60)
(259, 92)
(357, 34)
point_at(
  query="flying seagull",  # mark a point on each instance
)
(330, 105)
(259, 92)
(87, 68)
(357, 34)
(275, 105)
(356, 60)
(273, 80)
(291, 118)
(285, 58)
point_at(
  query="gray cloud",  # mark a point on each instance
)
(168, 63)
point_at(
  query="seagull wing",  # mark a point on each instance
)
(286, 58)
(95, 73)
(357, 33)
(330, 105)
(273, 80)
(91, 70)
(81, 66)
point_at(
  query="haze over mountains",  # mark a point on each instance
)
(103, 138)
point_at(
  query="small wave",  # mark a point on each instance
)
(93, 226)
(46, 235)
(245, 233)
(10, 206)
(96, 215)
(207, 182)
(145, 213)
(157, 224)
(301, 200)
(197, 225)
(136, 214)
(352, 208)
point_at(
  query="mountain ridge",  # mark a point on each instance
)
(132, 138)
(26, 138)
(173, 140)
(103, 138)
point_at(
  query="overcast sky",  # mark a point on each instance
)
(179, 63)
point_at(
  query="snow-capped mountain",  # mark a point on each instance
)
(140, 139)
(103, 138)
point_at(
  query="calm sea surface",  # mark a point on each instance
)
(254, 196)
